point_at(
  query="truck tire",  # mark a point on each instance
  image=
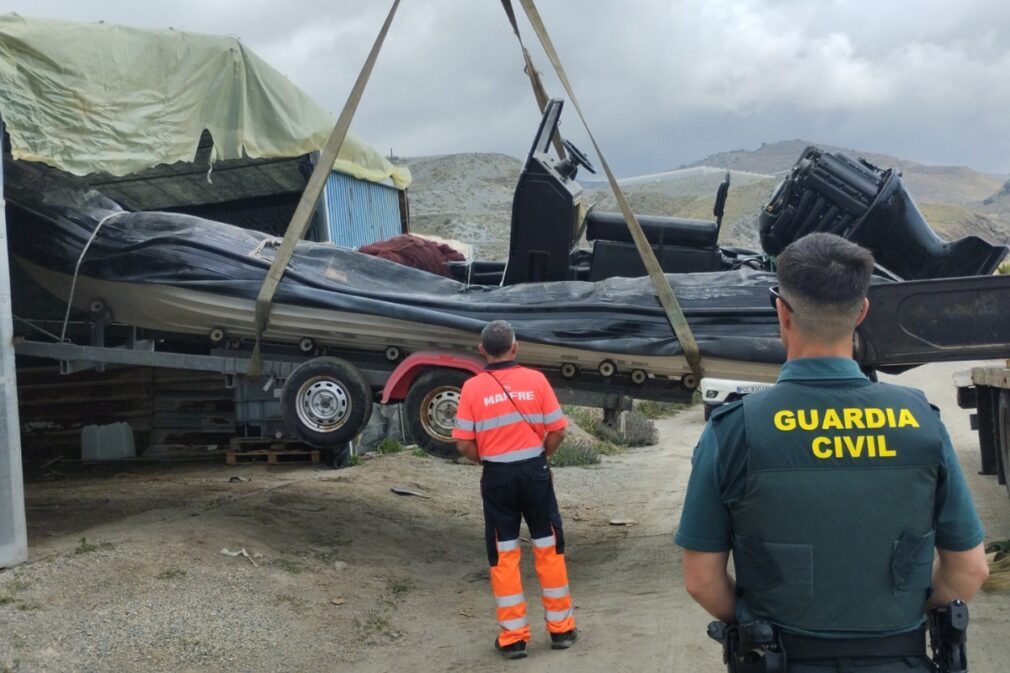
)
(326, 402)
(1003, 433)
(430, 407)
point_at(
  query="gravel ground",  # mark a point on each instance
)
(351, 577)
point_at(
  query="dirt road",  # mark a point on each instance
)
(351, 577)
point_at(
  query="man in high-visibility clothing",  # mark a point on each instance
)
(509, 420)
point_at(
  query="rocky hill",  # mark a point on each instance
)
(469, 196)
(998, 203)
(690, 192)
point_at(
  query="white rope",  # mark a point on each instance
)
(263, 245)
(77, 269)
(36, 327)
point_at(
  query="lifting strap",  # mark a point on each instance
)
(539, 92)
(310, 197)
(674, 314)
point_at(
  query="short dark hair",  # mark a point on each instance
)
(825, 278)
(497, 338)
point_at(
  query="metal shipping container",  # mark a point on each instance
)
(358, 212)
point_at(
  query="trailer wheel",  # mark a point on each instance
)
(326, 402)
(607, 368)
(431, 410)
(1003, 430)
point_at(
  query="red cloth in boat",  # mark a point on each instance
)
(415, 252)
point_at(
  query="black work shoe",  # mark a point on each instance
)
(516, 650)
(562, 641)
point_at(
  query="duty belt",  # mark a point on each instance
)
(804, 648)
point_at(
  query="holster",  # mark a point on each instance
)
(753, 647)
(948, 626)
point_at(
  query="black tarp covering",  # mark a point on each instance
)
(51, 216)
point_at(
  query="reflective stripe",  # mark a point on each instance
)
(544, 541)
(560, 592)
(508, 545)
(513, 624)
(507, 419)
(464, 425)
(555, 415)
(509, 601)
(557, 616)
(514, 456)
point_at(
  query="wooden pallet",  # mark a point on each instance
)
(272, 457)
(269, 450)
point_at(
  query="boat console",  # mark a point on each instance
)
(546, 211)
(550, 216)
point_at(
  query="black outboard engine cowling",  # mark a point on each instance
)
(835, 194)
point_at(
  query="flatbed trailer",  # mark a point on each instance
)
(327, 396)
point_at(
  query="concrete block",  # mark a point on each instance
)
(107, 442)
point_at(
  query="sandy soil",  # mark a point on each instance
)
(351, 577)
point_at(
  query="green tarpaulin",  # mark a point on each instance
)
(103, 98)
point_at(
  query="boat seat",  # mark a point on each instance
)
(660, 231)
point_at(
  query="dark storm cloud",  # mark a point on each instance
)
(663, 83)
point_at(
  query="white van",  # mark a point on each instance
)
(717, 392)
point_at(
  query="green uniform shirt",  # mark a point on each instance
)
(719, 471)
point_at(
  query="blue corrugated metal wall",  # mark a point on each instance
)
(359, 212)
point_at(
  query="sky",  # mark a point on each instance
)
(662, 82)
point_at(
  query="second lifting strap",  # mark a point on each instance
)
(664, 293)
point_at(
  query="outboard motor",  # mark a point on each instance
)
(835, 194)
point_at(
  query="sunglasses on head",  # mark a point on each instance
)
(774, 292)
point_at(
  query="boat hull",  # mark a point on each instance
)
(188, 311)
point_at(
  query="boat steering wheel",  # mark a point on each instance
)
(579, 157)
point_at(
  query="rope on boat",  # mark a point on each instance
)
(77, 270)
(32, 324)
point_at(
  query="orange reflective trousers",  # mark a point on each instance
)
(512, 492)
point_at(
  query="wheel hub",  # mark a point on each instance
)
(439, 412)
(323, 404)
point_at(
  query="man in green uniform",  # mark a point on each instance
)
(831, 491)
